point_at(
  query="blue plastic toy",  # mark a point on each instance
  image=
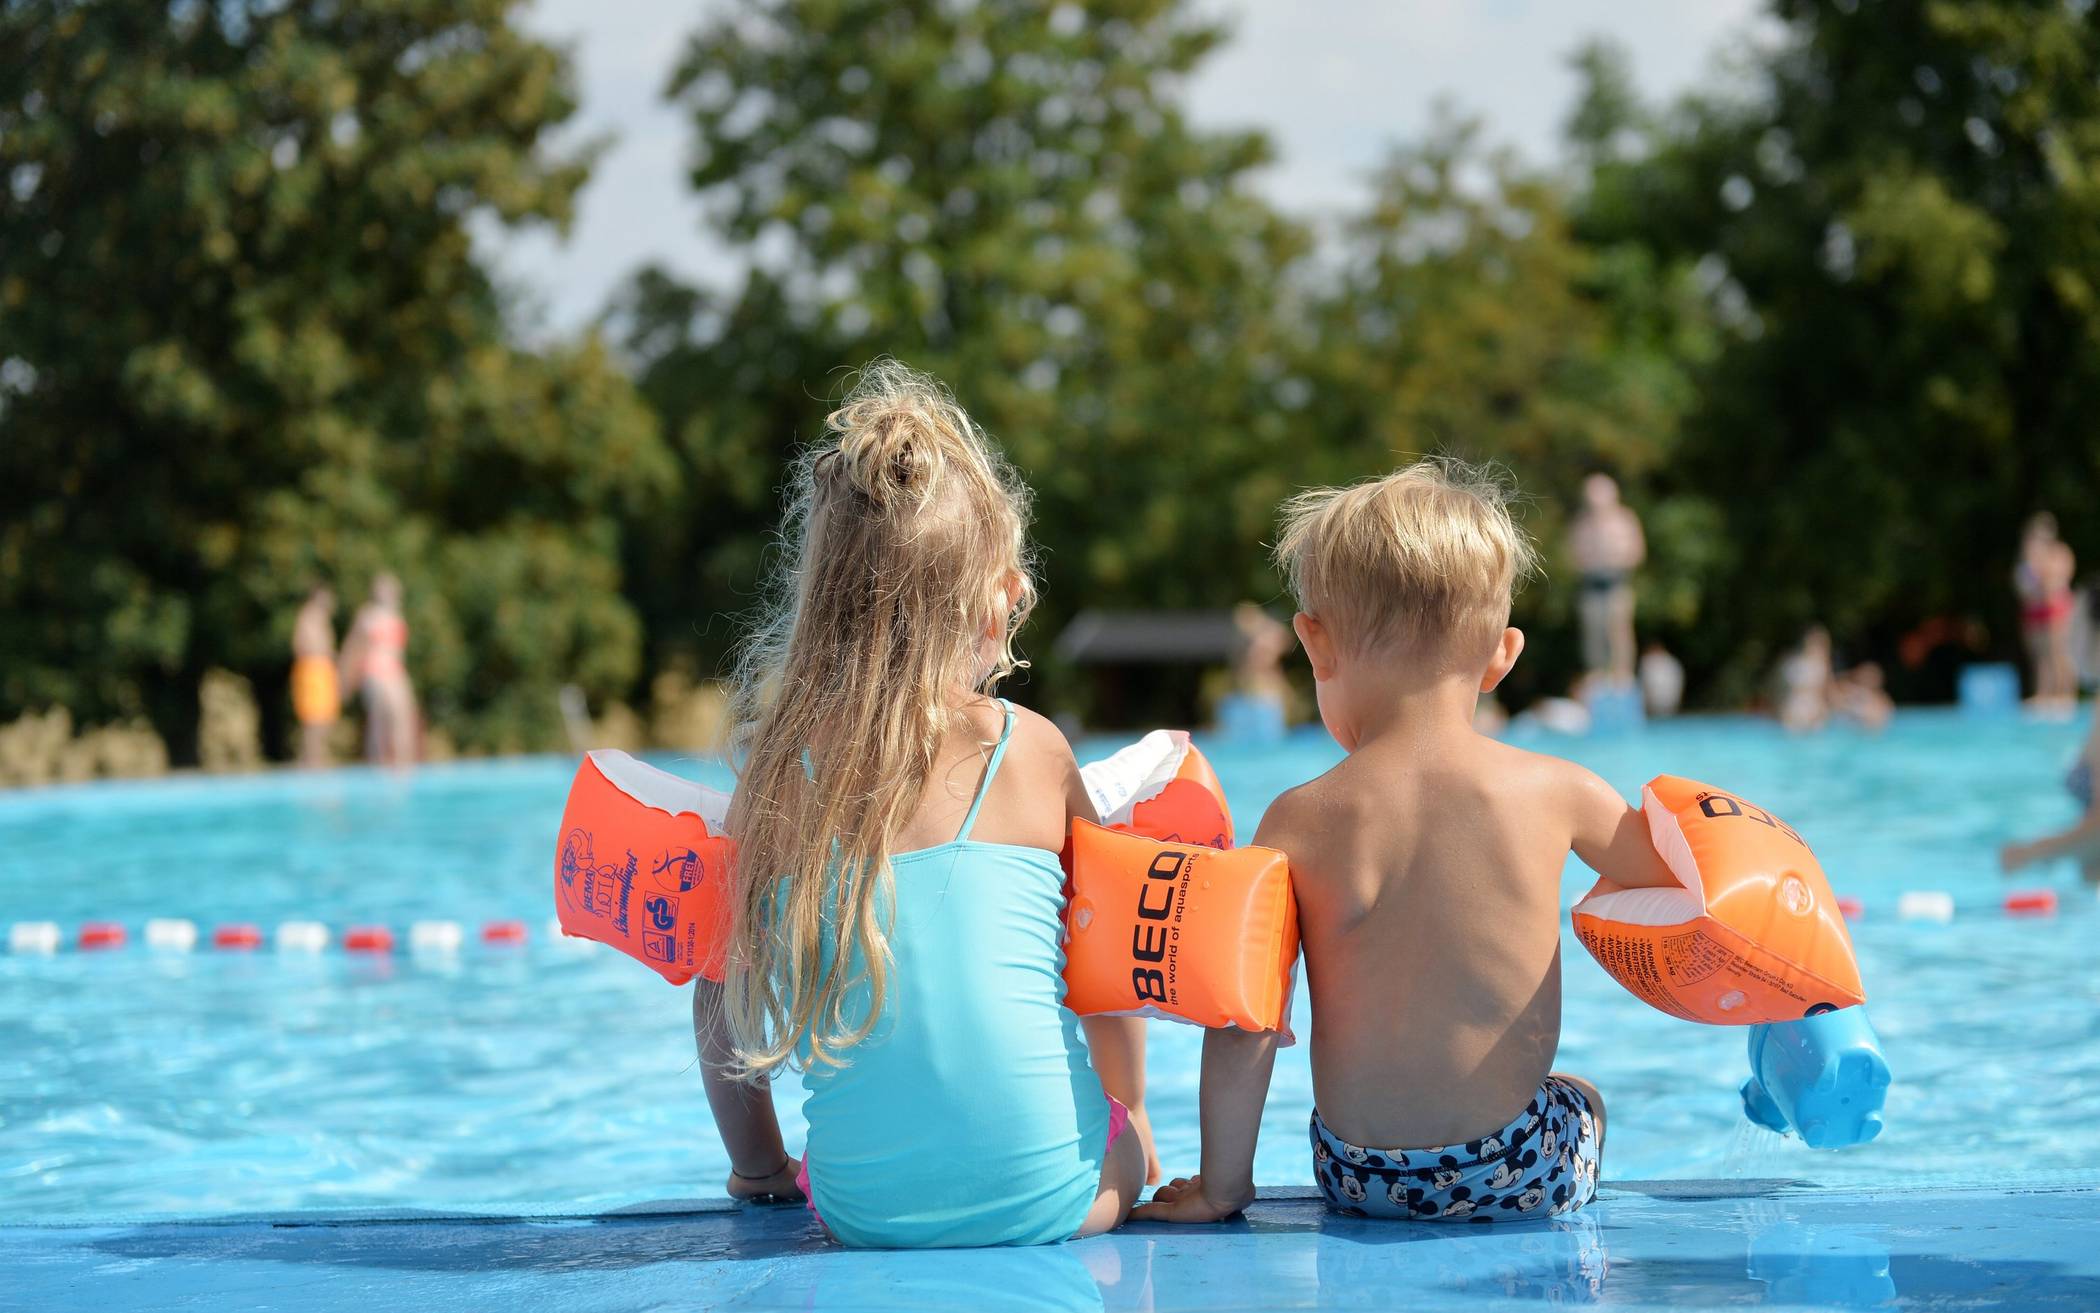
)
(1822, 1077)
(1989, 690)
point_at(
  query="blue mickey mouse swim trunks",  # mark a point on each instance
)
(1543, 1164)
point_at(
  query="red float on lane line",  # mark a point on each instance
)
(101, 934)
(239, 937)
(2031, 902)
(368, 939)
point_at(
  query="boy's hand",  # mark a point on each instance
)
(1188, 1199)
(779, 1188)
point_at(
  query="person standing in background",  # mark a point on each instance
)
(1257, 674)
(317, 698)
(2043, 580)
(1805, 679)
(1607, 546)
(374, 660)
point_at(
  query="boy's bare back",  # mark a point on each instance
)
(1428, 876)
(1427, 869)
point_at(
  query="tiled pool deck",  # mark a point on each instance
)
(1674, 1244)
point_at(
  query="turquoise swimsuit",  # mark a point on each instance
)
(970, 1115)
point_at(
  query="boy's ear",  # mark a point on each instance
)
(1507, 649)
(1318, 644)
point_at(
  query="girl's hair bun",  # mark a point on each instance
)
(896, 429)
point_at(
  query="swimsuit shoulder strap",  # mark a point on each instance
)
(1006, 732)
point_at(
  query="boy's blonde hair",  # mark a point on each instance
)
(1424, 560)
(906, 531)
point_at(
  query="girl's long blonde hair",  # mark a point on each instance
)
(905, 537)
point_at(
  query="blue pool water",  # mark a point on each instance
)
(561, 1077)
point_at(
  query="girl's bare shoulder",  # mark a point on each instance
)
(1026, 804)
(1038, 735)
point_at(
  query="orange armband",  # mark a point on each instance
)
(642, 865)
(1752, 934)
(1179, 930)
(1162, 787)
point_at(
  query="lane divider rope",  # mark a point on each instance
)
(179, 935)
(442, 937)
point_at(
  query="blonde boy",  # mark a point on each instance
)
(1427, 868)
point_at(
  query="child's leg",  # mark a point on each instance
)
(1596, 1100)
(1117, 1047)
(1122, 1181)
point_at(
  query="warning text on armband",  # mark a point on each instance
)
(1632, 963)
(1155, 938)
(1685, 960)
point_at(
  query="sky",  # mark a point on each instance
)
(1334, 82)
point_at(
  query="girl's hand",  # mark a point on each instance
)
(778, 1188)
(1188, 1199)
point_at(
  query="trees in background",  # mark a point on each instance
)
(1463, 316)
(245, 347)
(1009, 195)
(1896, 214)
(1831, 320)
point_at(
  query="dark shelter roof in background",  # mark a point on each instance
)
(1150, 637)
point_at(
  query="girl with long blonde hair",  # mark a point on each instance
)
(898, 897)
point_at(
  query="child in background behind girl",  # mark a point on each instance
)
(898, 895)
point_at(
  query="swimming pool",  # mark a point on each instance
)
(140, 1083)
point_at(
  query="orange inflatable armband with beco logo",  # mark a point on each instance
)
(1179, 930)
(642, 865)
(1752, 935)
(1165, 918)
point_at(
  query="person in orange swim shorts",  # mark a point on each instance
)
(316, 698)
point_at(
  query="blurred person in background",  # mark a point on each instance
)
(317, 698)
(1568, 714)
(1805, 679)
(374, 661)
(1607, 546)
(1258, 673)
(1662, 681)
(1860, 696)
(2082, 840)
(2043, 581)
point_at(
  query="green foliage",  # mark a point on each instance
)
(1832, 320)
(1898, 220)
(1010, 195)
(1467, 319)
(1007, 194)
(245, 347)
